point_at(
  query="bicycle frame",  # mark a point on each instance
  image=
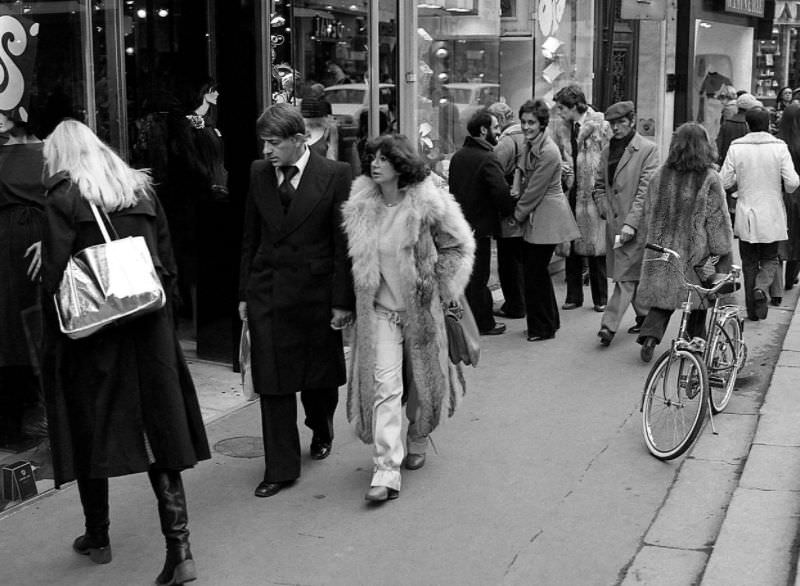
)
(696, 345)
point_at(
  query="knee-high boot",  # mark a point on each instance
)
(94, 542)
(179, 565)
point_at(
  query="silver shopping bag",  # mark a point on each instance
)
(105, 283)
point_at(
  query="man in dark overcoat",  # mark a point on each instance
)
(480, 187)
(296, 290)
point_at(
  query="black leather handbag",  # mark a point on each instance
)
(463, 338)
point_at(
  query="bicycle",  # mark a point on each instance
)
(693, 377)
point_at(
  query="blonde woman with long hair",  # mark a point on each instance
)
(120, 401)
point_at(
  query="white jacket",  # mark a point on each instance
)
(761, 168)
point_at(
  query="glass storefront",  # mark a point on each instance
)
(722, 57)
(54, 63)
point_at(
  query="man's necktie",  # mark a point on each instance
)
(286, 189)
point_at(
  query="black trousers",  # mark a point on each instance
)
(478, 294)
(657, 320)
(759, 264)
(279, 427)
(540, 299)
(510, 273)
(598, 281)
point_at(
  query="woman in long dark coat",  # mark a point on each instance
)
(120, 401)
(21, 220)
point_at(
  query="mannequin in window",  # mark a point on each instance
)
(196, 183)
(22, 414)
(709, 109)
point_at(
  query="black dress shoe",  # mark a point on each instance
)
(648, 346)
(760, 306)
(503, 313)
(540, 338)
(320, 450)
(266, 489)
(605, 336)
(496, 330)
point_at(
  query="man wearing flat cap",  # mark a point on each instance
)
(626, 166)
(735, 126)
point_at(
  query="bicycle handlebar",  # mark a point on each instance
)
(662, 249)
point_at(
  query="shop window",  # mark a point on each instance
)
(320, 62)
(45, 76)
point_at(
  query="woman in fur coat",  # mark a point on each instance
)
(687, 212)
(412, 252)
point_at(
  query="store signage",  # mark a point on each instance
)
(17, 55)
(748, 7)
(787, 12)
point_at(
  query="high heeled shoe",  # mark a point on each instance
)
(377, 494)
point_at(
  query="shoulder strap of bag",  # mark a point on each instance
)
(100, 224)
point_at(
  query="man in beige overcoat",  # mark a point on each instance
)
(625, 169)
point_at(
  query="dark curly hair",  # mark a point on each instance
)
(572, 96)
(398, 150)
(539, 109)
(690, 149)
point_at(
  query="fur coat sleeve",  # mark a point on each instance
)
(436, 259)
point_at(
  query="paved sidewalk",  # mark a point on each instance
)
(751, 472)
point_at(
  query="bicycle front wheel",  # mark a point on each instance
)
(674, 404)
(724, 348)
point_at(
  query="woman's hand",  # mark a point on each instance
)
(36, 261)
(243, 310)
(341, 318)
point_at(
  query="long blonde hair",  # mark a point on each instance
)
(102, 177)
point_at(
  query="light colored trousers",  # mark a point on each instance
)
(388, 409)
(624, 294)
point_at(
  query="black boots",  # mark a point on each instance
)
(179, 565)
(94, 498)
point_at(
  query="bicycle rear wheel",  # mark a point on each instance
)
(674, 404)
(725, 345)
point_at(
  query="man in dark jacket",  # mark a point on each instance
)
(735, 126)
(478, 184)
(296, 290)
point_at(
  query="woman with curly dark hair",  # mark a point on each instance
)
(412, 252)
(686, 212)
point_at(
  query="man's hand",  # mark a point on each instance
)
(627, 233)
(36, 260)
(341, 318)
(243, 310)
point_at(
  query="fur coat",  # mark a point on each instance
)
(593, 137)
(436, 256)
(688, 213)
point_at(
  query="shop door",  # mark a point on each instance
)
(617, 56)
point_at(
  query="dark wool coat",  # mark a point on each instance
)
(122, 398)
(436, 258)
(21, 220)
(480, 187)
(294, 270)
(686, 212)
